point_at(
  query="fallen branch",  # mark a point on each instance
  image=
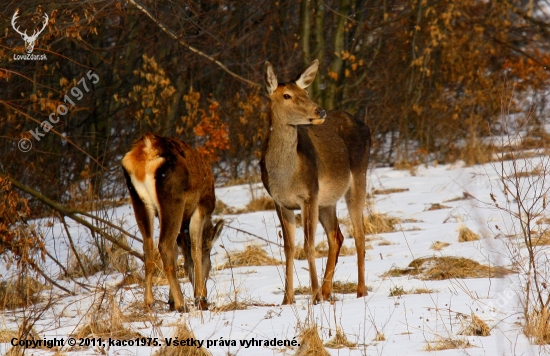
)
(70, 213)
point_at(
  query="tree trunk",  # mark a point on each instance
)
(336, 67)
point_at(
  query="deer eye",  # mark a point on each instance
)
(286, 96)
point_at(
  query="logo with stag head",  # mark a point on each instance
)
(29, 40)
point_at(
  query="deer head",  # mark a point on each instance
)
(290, 102)
(29, 40)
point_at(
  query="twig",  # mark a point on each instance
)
(87, 287)
(35, 267)
(253, 235)
(71, 243)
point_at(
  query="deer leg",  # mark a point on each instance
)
(199, 286)
(170, 224)
(355, 200)
(327, 216)
(145, 217)
(170, 294)
(288, 225)
(310, 216)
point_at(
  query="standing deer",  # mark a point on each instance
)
(169, 179)
(310, 159)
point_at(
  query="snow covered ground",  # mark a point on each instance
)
(407, 322)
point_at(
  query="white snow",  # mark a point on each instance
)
(407, 322)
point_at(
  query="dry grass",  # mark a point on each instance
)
(380, 337)
(110, 259)
(310, 343)
(253, 255)
(476, 152)
(475, 327)
(236, 304)
(447, 344)
(6, 335)
(105, 319)
(223, 209)
(465, 195)
(526, 174)
(20, 292)
(389, 191)
(379, 223)
(398, 291)
(182, 333)
(344, 287)
(438, 245)
(445, 267)
(541, 239)
(384, 243)
(374, 223)
(337, 287)
(130, 279)
(537, 327)
(260, 204)
(340, 341)
(437, 206)
(29, 334)
(321, 250)
(465, 234)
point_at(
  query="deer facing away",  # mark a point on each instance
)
(311, 159)
(169, 179)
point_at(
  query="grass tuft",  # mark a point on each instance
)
(182, 333)
(223, 209)
(321, 250)
(253, 255)
(399, 291)
(447, 344)
(389, 191)
(6, 335)
(465, 234)
(540, 239)
(437, 206)
(337, 287)
(438, 245)
(537, 327)
(310, 343)
(476, 327)
(111, 258)
(106, 320)
(445, 267)
(20, 292)
(374, 223)
(260, 204)
(340, 341)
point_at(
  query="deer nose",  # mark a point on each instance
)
(321, 112)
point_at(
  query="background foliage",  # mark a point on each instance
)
(429, 76)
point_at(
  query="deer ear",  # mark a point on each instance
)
(308, 75)
(270, 79)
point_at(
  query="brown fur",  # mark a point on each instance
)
(309, 161)
(169, 179)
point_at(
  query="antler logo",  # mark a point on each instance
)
(29, 40)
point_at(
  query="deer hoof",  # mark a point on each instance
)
(362, 292)
(287, 301)
(201, 303)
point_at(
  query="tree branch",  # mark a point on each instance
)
(191, 48)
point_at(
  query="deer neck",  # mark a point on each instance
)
(282, 151)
